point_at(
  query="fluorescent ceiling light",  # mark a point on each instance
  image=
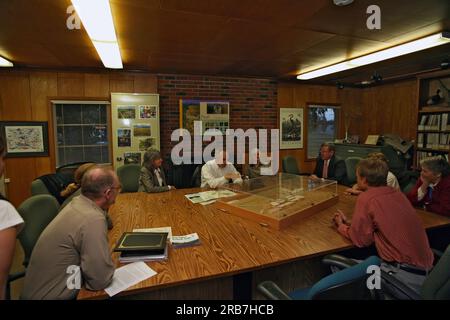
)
(97, 20)
(413, 46)
(5, 63)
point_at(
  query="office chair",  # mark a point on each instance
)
(38, 187)
(129, 177)
(290, 165)
(349, 283)
(350, 164)
(196, 179)
(37, 212)
(435, 287)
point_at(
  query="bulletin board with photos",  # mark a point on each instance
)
(135, 126)
(213, 114)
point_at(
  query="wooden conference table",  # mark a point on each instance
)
(235, 253)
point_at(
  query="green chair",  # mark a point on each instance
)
(290, 165)
(435, 287)
(129, 177)
(350, 164)
(37, 212)
(38, 187)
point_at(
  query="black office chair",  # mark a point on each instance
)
(435, 287)
(349, 283)
(196, 179)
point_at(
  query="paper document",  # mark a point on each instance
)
(129, 275)
(209, 196)
(161, 229)
(185, 241)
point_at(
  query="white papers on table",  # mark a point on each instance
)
(185, 241)
(161, 229)
(129, 275)
(207, 197)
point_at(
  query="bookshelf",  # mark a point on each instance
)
(433, 121)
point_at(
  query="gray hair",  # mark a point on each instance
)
(437, 165)
(150, 156)
(95, 181)
(329, 145)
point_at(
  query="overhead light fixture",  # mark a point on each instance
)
(5, 63)
(413, 46)
(97, 20)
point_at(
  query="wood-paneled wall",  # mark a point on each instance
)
(390, 108)
(25, 96)
(299, 95)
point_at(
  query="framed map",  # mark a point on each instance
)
(25, 138)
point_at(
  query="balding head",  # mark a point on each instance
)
(96, 180)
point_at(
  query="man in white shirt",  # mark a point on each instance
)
(219, 171)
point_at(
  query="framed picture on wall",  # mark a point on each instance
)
(25, 138)
(291, 128)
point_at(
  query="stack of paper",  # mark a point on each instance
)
(185, 241)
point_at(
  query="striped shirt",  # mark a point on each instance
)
(386, 217)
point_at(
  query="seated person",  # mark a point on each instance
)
(10, 225)
(432, 190)
(75, 186)
(385, 216)
(254, 170)
(76, 238)
(219, 171)
(391, 178)
(329, 166)
(152, 177)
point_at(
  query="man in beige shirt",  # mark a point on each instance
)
(73, 250)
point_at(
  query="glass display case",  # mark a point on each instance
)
(280, 200)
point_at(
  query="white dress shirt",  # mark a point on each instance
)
(213, 175)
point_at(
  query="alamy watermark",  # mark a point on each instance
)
(73, 281)
(73, 22)
(374, 20)
(185, 153)
(374, 280)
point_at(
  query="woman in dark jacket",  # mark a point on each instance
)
(152, 177)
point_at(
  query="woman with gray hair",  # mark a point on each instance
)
(152, 177)
(432, 190)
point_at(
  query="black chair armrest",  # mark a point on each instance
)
(437, 253)
(15, 276)
(400, 286)
(11, 278)
(338, 261)
(272, 291)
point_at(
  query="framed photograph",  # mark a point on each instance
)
(126, 112)
(25, 138)
(291, 126)
(189, 112)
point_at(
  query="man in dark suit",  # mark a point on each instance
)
(328, 166)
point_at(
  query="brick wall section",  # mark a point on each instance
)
(253, 102)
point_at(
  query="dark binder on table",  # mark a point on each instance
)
(142, 243)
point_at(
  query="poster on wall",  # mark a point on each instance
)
(135, 126)
(213, 114)
(291, 126)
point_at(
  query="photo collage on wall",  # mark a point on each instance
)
(135, 131)
(213, 114)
